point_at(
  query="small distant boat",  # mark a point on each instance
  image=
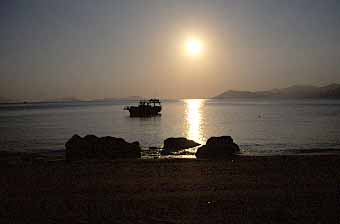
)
(146, 108)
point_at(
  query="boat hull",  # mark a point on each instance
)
(144, 111)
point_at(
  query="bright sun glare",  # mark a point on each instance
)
(194, 47)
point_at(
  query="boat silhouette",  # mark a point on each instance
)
(145, 108)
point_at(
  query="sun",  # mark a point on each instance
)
(194, 47)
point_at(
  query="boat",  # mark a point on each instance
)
(146, 108)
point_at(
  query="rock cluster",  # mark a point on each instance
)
(173, 145)
(218, 148)
(91, 146)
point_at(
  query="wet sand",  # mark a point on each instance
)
(278, 189)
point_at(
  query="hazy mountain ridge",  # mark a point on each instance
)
(4, 100)
(69, 100)
(296, 91)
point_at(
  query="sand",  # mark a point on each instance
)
(277, 189)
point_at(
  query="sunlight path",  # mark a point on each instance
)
(193, 120)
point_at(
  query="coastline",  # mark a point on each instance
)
(44, 156)
(244, 189)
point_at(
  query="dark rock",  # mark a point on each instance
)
(220, 140)
(91, 138)
(176, 144)
(179, 143)
(105, 148)
(218, 148)
(154, 147)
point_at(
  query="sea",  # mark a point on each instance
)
(258, 126)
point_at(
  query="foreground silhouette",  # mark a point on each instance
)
(292, 189)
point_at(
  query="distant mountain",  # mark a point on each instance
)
(297, 91)
(122, 98)
(69, 99)
(134, 98)
(6, 100)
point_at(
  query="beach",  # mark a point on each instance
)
(242, 189)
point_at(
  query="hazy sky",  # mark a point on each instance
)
(96, 49)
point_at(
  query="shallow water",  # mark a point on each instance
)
(260, 127)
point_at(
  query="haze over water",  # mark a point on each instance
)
(260, 127)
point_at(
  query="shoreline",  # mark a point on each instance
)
(47, 155)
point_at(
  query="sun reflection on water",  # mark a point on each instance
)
(193, 120)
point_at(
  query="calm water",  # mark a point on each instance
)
(258, 126)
